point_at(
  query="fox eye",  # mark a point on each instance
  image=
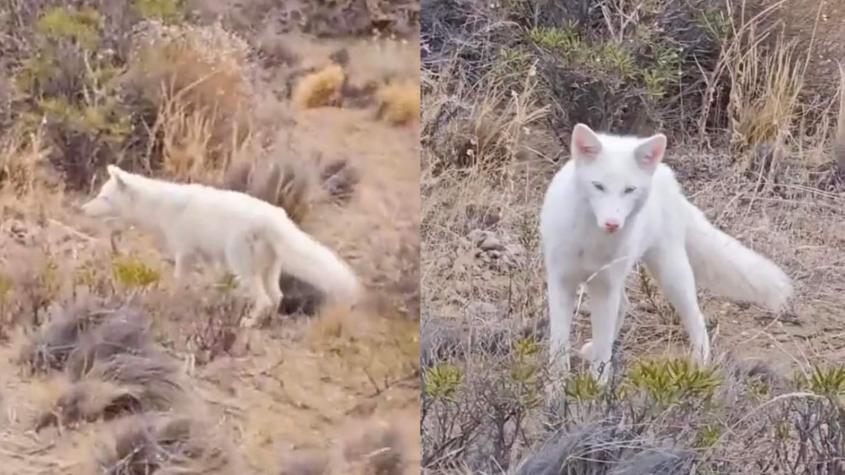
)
(629, 190)
(598, 186)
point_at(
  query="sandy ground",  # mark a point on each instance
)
(301, 383)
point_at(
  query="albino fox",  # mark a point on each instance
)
(254, 239)
(613, 204)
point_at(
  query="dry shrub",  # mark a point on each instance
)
(122, 384)
(58, 339)
(766, 82)
(164, 443)
(487, 129)
(368, 447)
(318, 89)
(124, 331)
(198, 81)
(21, 156)
(325, 19)
(374, 448)
(339, 180)
(601, 448)
(399, 102)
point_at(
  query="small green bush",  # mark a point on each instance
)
(133, 273)
(442, 381)
(671, 381)
(167, 11)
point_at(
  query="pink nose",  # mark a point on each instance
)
(611, 225)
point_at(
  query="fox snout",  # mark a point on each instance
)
(611, 225)
(95, 208)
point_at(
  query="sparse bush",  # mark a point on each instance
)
(133, 273)
(164, 442)
(318, 89)
(399, 103)
(197, 82)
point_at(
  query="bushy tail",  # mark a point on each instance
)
(306, 258)
(724, 266)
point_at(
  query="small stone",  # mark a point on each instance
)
(491, 243)
(477, 236)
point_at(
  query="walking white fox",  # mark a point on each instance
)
(253, 238)
(614, 204)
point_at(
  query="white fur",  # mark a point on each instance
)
(621, 180)
(255, 240)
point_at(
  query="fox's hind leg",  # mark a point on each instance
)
(272, 277)
(242, 261)
(671, 268)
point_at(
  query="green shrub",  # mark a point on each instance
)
(133, 273)
(442, 381)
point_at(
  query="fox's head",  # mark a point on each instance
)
(615, 173)
(114, 196)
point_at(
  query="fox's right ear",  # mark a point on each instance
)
(585, 143)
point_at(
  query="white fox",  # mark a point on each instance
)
(254, 239)
(614, 204)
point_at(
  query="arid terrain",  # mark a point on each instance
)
(109, 365)
(753, 124)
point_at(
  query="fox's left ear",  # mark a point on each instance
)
(117, 175)
(650, 152)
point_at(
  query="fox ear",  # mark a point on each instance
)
(117, 175)
(650, 152)
(585, 143)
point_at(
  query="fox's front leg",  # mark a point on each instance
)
(605, 297)
(561, 306)
(180, 266)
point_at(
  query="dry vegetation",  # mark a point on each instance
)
(111, 366)
(752, 117)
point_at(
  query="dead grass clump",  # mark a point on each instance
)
(197, 80)
(119, 385)
(125, 331)
(319, 89)
(164, 443)
(21, 156)
(376, 449)
(399, 103)
(52, 346)
(496, 129)
(339, 180)
(602, 448)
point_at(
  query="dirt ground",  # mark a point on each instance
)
(303, 383)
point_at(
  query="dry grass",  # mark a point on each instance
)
(319, 89)
(399, 103)
(198, 80)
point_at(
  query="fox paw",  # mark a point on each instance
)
(251, 322)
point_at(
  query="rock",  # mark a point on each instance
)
(491, 243)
